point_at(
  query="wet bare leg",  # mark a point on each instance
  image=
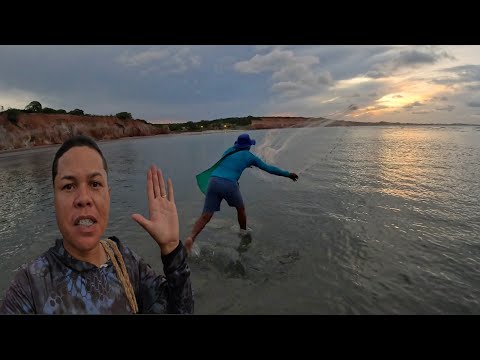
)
(242, 218)
(197, 228)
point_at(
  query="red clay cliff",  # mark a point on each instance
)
(45, 129)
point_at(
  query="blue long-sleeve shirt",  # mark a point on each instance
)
(231, 167)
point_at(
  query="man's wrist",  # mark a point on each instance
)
(168, 248)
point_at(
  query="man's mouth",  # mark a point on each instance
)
(85, 221)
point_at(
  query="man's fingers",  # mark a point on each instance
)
(150, 192)
(162, 183)
(170, 191)
(142, 221)
(156, 186)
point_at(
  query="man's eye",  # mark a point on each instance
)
(67, 187)
(96, 184)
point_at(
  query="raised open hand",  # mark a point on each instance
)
(163, 223)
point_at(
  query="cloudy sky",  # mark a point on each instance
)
(192, 83)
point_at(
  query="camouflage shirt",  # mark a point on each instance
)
(57, 283)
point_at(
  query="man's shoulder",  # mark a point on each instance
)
(243, 152)
(116, 240)
(37, 267)
(250, 155)
(229, 150)
(123, 248)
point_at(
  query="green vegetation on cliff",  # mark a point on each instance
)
(35, 107)
(217, 124)
(35, 126)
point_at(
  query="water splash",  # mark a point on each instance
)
(275, 144)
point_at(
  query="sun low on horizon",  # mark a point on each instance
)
(408, 95)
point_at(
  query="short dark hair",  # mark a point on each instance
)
(78, 140)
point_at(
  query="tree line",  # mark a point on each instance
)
(217, 124)
(202, 125)
(36, 107)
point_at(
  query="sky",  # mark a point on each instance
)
(163, 84)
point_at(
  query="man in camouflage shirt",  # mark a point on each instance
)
(80, 274)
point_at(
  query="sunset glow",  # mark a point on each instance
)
(434, 83)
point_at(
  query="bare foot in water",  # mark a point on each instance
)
(188, 245)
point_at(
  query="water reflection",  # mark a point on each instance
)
(25, 182)
(405, 162)
(378, 214)
(27, 220)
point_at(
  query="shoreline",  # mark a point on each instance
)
(48, 146)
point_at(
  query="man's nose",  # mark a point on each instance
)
(83, 196)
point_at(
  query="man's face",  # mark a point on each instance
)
(82, 198)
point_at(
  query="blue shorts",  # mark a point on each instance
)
(219, 189)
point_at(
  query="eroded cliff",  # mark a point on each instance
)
(30, 130)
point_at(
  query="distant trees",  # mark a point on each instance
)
(124, 115)
(76, 112)
(174, 126)
(34, 106)
(12, 115)
(48, 110)
(218, 124)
